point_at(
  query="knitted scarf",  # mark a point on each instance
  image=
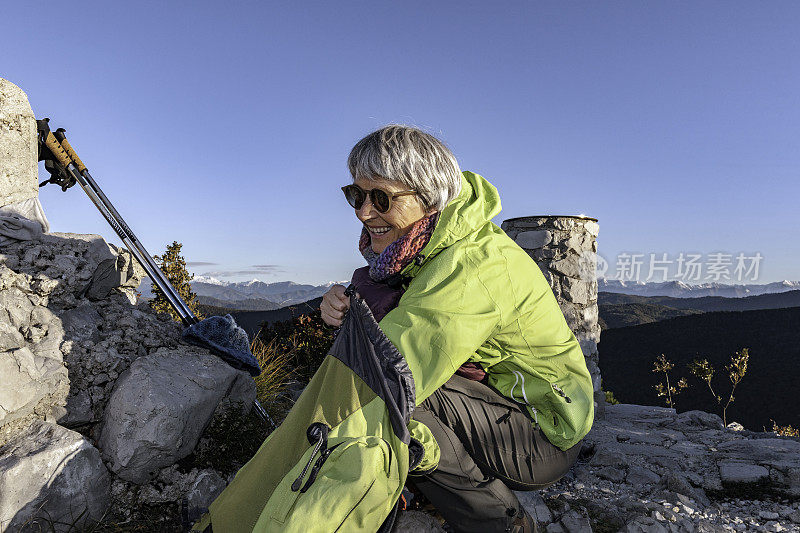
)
(401, 252)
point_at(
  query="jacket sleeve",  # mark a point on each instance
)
(440, 322)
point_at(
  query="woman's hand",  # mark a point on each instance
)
(334, 305)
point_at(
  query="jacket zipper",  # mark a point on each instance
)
(561, 393)
(314, 471)
(316, 432)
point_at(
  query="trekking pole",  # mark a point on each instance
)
(69, 170)
(59, 146)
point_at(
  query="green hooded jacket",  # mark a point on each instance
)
(476, 296)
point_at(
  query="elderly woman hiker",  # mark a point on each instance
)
(500, 379)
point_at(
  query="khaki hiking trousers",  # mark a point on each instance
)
(489, 447)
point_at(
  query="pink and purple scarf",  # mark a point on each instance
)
(399, 253)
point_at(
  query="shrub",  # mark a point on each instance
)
(664, 365)
(784, 431)
(736, 370)
(610, 398)
(306, 338)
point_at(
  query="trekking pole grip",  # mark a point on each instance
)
(68, 148)
(55, 148)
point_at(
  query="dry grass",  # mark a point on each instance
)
(276, 370)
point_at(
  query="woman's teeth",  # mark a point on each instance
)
(378, 231)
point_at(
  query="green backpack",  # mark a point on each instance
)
(340, 459)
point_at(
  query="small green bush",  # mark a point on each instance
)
(610, 398)
(173, 265)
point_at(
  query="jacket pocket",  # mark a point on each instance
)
(357, 470)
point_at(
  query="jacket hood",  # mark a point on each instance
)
(476, 204)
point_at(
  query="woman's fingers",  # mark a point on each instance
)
(336, 298)
(331, 321)
(334, 305)
(342, 302)
(329, 315)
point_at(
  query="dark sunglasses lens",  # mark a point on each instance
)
(354, 196)
(380, 200)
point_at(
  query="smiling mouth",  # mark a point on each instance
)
(378, 231)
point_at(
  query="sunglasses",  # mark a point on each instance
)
(381, 200)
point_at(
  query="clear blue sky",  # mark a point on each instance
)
(226, 126)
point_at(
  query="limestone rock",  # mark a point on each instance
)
(574, 521)
(533, 502)
(576, 291)
(81, 323)
(578, 242)
(699, 419)
(39, 383)
(204, 490)
(51, 475)
(566, 267)
(64, 268)
(19, 171)
(644, 524)
(638, 475)
(742, 473)
(531, 240)
(159, 408)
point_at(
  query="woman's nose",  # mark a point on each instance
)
(366, 209)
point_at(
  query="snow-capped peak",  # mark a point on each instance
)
(211, 280)
(332, 283)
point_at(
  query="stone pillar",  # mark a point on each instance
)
(19, 170)
(565, 249)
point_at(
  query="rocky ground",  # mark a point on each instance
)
(648, 469)
(110, 412)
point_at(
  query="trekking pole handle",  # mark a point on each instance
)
(59, 134)
(58, 152)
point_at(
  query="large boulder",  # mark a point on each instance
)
(18, 147)
(51, 477)
(160, 407)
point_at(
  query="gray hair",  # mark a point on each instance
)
(419, 161)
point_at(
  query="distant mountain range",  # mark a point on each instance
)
(680, 289)
(621, 310)
(254, 295)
